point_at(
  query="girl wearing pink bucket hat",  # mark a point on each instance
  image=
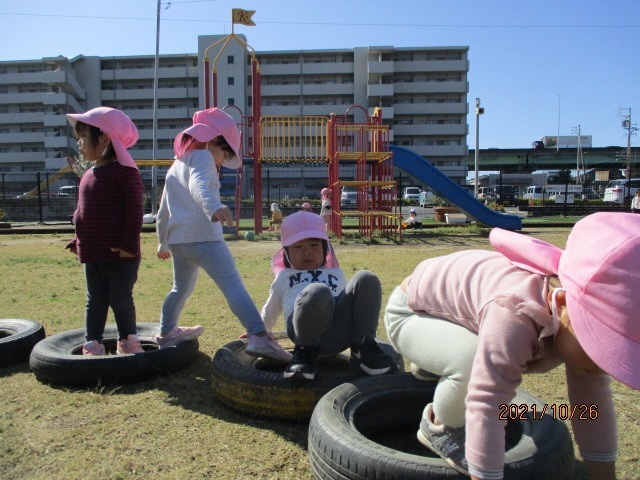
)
(190, 231)
(324, 314)
(479, 320)
(108, 220)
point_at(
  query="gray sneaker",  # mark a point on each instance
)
(446, 442)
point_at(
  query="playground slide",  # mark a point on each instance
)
(444, 187)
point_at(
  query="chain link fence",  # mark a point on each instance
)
(49, 198)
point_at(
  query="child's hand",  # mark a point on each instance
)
(122, 253)
(164, 255)
(71, 246)
(224, 215)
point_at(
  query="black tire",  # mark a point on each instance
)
(17, 338)
(256, 387)
(58, 359)
(367, 430)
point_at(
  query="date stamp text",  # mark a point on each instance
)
(557, 411)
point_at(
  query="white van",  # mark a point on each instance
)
(411, 194)
(621, 191)
(535, 192)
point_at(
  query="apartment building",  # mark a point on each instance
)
(422, 92)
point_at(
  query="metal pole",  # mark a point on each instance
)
(154, 168)
(479, 111)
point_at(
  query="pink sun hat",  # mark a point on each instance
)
(121, 130)
(600, 270)
(207, 125)
(300, 226)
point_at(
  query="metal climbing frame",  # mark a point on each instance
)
(248, 124)
(367, 145)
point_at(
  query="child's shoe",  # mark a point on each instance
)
(303, 364)
(178, 335)
(129, 345)
(266, 346)
(446, 442)
(369, 357)
(93, 347)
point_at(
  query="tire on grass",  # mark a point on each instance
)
(17, 338)
(256, 387)
(58, 359)
(367, 430)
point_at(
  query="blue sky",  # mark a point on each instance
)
(539, 67)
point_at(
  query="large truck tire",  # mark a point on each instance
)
(58, 359)
(366, 430)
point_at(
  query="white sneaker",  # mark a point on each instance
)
(266, 346)
(179, 335)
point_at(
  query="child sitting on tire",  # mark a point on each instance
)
(479, 320)
(323, 313)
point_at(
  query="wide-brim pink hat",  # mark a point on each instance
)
(600, 270)
(207, 125)
(300, 226)
(121, 130)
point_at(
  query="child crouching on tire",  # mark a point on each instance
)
(324, 314)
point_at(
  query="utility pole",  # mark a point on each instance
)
(479, 111)
(579, 157)
(631, 128)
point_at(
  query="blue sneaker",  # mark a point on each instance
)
(446, 442)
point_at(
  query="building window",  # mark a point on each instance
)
(231, 101)
(230, 81)
(230, 59)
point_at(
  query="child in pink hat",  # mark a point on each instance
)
(324, 314)
(479, 320)
(190, 231)
(108, 220)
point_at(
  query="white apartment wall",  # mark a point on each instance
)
(413, 85)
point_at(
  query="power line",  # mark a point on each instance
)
(337, 24)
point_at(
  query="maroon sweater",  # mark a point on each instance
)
(109, 213)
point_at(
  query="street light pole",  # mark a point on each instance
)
(479, 111)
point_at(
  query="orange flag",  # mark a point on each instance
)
(243, 17)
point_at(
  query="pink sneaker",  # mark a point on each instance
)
(267, 347)
(93, 347)
(179, 335)
(129, 345)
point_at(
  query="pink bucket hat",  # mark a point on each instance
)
(207, 125)
(299, 226)
(121, 130)
(325, 192)
(600, 270)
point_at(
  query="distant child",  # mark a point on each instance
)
(276, 217)
(635, 202)
(481, 319)
(325, 207)
(108, 221)
(412, 221)
(190, 231)
(306, 207)
(323, 313)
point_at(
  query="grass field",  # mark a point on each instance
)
(172, 427)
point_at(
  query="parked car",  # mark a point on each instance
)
(348, 197)
(506, 194)
(412, 194)
(486, 194)
(621, 191)
(68, 191)
(589, 194)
